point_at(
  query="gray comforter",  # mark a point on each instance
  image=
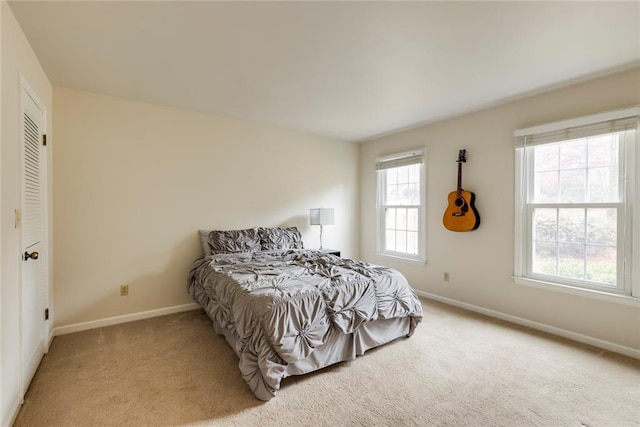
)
(277, 308)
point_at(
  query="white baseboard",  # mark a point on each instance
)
(607, 345)
(13, 412)
(585, 339)
(77, 327)
(52, 334)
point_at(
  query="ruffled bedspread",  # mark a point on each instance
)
(279, 306)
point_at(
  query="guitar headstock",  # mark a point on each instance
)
(462, 156)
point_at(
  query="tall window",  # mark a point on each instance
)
(576, 187)
(401, 203)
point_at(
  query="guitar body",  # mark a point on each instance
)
(461, 213)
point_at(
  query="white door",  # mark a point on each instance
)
(33, 290)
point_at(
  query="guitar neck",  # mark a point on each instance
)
(459, 178)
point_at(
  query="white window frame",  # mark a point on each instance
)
(420, 257)
(628, 292)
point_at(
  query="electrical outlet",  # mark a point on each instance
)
(445, 276)
(124, 290)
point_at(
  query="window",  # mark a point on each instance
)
(576, 189)
(401, 205)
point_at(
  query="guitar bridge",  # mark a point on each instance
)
(458, 214)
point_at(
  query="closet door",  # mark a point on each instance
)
(33, 280)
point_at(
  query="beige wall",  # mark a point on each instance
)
(134, 182)
(17, 59)
(481, 262)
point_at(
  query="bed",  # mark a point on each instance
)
(286, 310)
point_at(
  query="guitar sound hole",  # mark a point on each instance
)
(459, 202)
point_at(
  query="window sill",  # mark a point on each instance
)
(587, 293)
(416, 261)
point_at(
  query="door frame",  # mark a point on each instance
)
(44, 290)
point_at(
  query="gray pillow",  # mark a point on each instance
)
(204, 240)
(234, 241)
(280, 238)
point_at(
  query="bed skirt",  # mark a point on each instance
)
(264, 377)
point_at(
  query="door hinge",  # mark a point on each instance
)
(16, 218)
(46, 314)
(44, 139)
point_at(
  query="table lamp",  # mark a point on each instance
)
(321, 217)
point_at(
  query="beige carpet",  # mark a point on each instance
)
(459, 369)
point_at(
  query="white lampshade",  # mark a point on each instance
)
(321, 216)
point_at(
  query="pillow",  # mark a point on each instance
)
(234, 241)
(280, 238)
(204, 240)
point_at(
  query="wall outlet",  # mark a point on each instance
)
(124, 290)
(445, 276)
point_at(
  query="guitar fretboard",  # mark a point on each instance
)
(459, 178)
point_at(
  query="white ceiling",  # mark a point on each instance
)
(346, 70)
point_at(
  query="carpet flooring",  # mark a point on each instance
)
(459, 369)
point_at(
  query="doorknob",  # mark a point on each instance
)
(32, 255)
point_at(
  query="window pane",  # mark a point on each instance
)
(401, 219)
(412, 243)
(390, 220)
(403, 191)
(401, 241)
(603, 184)
(413, 194)
(390, 240)
(545, 225)
(571, 260)
(546, 157)
(544, 258)
(571, 225)
(573, 154)
(601, 264)
(572, 185)
(602, 226)
(392, 176)
(392, 194)
(603, 151)
(412, 219)
(546, 187)
(403, 174)
(414, 173)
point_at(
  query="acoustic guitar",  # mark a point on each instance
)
(461, 213)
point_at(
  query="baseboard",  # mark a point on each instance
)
(77, 327)
(13, 412)
(585, 339)
(52, 334)
(15, 408)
